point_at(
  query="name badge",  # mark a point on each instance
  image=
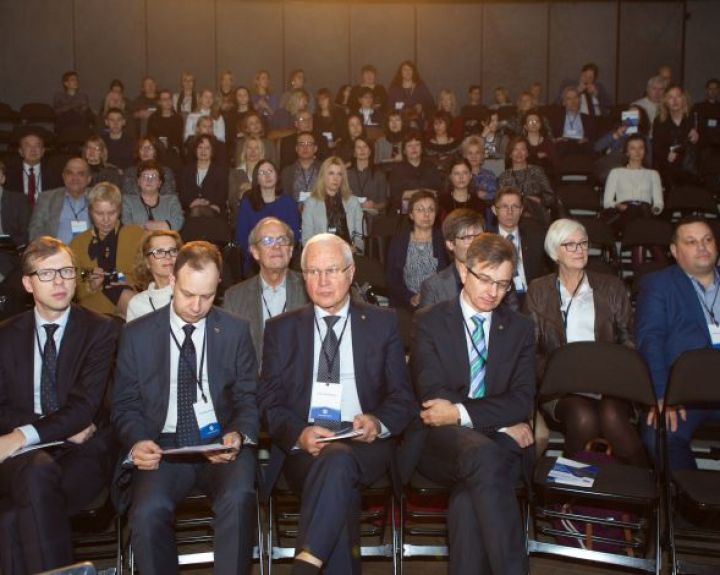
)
(399, 105)
(78, 227)
(714, 335)
(328, 136)
(207, 422)
(519, 284)
(712, 123)
(325, 401)
(302, 196)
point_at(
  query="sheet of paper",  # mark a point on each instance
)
(341, 435)
(36, 446)
(195, 449)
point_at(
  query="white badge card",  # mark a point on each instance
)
(207, 422)
(325, 401)
(399, 105)
(519, 285)
(78, 227)
(712, 123)
(714, 335)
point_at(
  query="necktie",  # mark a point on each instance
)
(329, 366)
(511, 239)
(590, 105)
(32, 186)
(48, 373)
(478, 357)
(186, 431)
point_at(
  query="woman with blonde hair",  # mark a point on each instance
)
(447, 102)
(154, 264)
(206, 106)
(95, 153)
(331, 207)
(263, 99)
(249, 154)
(106, 253)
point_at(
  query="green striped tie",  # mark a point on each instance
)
(478, 358)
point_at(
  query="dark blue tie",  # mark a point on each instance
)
(48, 374)
(186, 431)
(329, 365)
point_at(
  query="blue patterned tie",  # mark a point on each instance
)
(48, 373)
(478, 357)
(186, 431)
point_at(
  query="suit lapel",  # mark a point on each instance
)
(498, 343)
(256, 302)
(162, 336)
(305, 338)
(70, 348)
(25, 363)
(358, 321)
(216, 355)
(457, 345)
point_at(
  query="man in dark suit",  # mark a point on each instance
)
(459, 228)
(31, 173)
(329, 366)
(14, 213)
(186, 376)
(678, 309)
(276, 289)
(574, 131)
(473, 366)
(525, 234)
(54, 367)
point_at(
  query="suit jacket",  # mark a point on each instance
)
(15, 216)
(50, 177)
(557, 123)
(213, 188)
(669, 320)
(532, 244)
(142, 376)
(45, 217)
(83, 371)
(441, 370)
(245, 301)
(287, 371)
(442, 286)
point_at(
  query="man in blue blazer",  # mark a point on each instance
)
(678, 310)
(327, 366)
(186, 375)
(473, 366)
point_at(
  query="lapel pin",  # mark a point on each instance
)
(501, 327)
(216, 329)
(362, 316)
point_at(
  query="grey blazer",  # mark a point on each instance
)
(244, 300)
(46, 214)
(314, 220)
(441, 286)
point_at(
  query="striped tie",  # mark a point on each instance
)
(478, 357)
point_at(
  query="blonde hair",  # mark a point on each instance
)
(105, 192)
(664, 113)
(318, 191)
(100, 143)
(242, 152)
(295, 99)
(453, 100)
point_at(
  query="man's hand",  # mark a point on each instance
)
(521, 433)
(438, 412)
(370, 426)
(10, 443)
(146, 455)
(233, 440)
(96, 279)
(415, 300)
(309, 436)
(84, 435)
(671, 416)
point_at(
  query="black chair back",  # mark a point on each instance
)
(693, 378)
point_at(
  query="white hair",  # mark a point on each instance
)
(558, 232)
(330, 239)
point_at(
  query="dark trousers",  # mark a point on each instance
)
(156, 494)
(40, 491)
(485, 529)
(329, 486)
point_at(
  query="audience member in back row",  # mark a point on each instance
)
(459, 229)
(55, 362)
(415, 254)
(573, 130)
(332, 208)
(412, 174)
(30, 173)
(120, 145)
(677, 311)
(72, 107)
(148, 150)
(366, 180)
(166, 124)
(14, 213)
(204, 183)
(62, 213)
(154, 264)
(106, 253)
(298, 179)
(94, 152)
(577, 304)
(460, 190)
(149, 209)
(408, 92)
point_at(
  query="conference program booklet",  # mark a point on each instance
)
(571, 472)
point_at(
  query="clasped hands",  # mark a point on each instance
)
(146, 454)
(368, 424)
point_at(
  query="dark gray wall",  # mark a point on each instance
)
(454, 43)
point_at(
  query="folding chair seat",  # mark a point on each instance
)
(644, 233)
(580, 199)
(576, 168)
(378, 513)
(693, 498)
(381, 229)
(370, 277)
(691, 200)
(617, 371)
(38, 113)
(9, 118)
(97, 531)
(601, 250)
(214, 230)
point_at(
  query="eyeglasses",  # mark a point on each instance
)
(506, 208)
(572, 247)
(422, 210)
(467, 237)
(266, 172)
(48, 275)
(269, 241)
(306, 144)
(487, 282)
(161, 254)
(330, 273)
(150, 176)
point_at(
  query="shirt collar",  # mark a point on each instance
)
(26, 168)
(503, 234)
(61, 322)
(267, 287)
(716, 281)
(177, 323)
(342, 313)
(469, 311)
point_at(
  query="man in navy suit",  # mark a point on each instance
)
(473, 365)
(54, 368)
(678, 310)
(186, 375)
(327, 366)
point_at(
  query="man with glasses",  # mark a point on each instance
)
(276, 289)
(330, 367)
(54, 367)
(299, 177)
(525, 234)
(459, 229)
(473, 364)
(289, 144)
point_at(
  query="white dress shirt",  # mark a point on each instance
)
(580, 321)
(519, 279)
(273, 299)
(38, 178)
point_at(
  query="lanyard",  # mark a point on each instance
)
(198, 381)
(472, 341)
(148, 208)
(307, 178)
(267, 307)
(76, 214)
(363, 179)
(331, 360)
(565, 314)
(710, 310)
(152, 305)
